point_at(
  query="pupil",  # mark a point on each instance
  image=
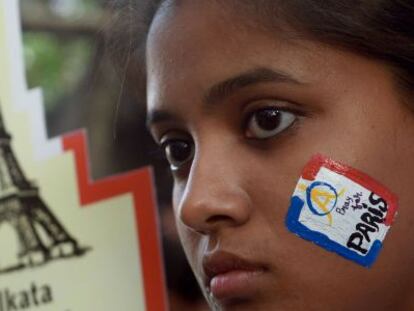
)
(180, 150)
(268, 119)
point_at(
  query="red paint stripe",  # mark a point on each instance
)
(317, 161)
(139, 183)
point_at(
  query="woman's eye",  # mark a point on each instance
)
(178, 152)
(268, 122)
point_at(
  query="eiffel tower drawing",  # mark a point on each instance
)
(22, 207)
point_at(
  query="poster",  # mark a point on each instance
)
(67, 242)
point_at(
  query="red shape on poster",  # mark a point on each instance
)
(139, 183)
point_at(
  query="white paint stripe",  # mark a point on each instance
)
(29, 101)
(43, 146)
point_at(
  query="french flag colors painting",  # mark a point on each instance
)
(342, 210)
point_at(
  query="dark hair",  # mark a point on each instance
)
(379, 29)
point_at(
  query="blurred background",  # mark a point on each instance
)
(79, 53)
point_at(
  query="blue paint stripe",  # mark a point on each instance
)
(293, 224)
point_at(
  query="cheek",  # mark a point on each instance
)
(183, 232)
(192, 244)
(377, 144)
(176, 196)
(271, 191)
(189, 239)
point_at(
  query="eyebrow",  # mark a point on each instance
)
(221, 90)
(156, 116)
(224, 89)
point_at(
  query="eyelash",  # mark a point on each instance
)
(282, 113)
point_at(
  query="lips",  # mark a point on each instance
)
(229, 276)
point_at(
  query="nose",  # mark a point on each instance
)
(214, 197)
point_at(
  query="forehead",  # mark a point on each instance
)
(195, 45)
(181, 31)
(191, 36)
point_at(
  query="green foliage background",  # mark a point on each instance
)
(54, 62)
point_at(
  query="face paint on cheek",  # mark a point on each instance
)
(341, 210)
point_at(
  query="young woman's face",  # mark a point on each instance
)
(240, 112)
